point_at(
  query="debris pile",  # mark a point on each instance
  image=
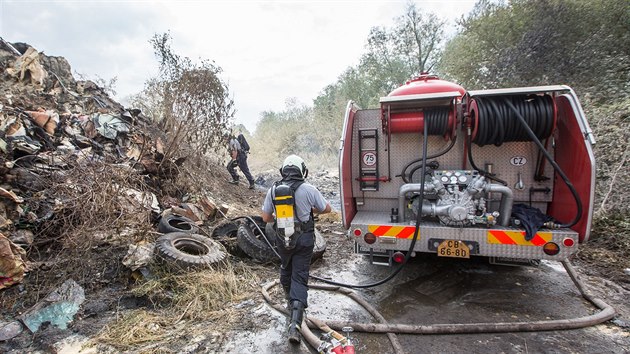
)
(82, 178)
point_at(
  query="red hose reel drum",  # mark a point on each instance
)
(410, 117)
(413, 122)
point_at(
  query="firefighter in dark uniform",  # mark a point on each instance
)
(290, 205)
(239, 158)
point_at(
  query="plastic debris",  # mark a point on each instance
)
(139, 255)
(10, 330)
(58, 308)
(12, 262)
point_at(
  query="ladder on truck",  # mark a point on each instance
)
(368, 166)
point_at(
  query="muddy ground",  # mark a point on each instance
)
(427, 291)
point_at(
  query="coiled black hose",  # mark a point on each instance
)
(436, 120)
(495, 122)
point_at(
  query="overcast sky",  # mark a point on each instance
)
(269, 50)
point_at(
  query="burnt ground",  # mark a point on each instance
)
(428, 291)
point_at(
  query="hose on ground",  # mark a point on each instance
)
(321, 325)
(606, 313)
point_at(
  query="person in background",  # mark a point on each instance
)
(238, 158)
(294, 236)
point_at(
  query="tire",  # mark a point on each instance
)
(188, 250)
(227, 229)
(254, 243)
(174, 223)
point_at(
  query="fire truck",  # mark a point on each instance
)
(507, 174)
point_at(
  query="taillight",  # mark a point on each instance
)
(398, 257)
(369, 238)
(551, 248)
(357, 232)
(568, 242)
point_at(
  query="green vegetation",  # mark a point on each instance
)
(584, 44)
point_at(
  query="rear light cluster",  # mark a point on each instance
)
(369, 237)
(552, 248)
(398, 257)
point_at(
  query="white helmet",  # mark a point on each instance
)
(294, 163)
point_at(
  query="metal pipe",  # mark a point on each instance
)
(407, 188)
(507, 199)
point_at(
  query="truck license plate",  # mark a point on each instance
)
(453, 248)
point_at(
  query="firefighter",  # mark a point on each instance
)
(295, 240)
(238, 158)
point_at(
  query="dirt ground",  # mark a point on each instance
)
(428, 291)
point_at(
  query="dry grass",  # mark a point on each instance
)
(135, 328)
(201, 295)
(182, 302)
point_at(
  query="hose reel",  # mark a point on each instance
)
(440, 121)
(494, 122)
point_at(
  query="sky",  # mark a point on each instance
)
(269, 51)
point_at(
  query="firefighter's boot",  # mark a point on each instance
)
(287, 296)
(297, 312)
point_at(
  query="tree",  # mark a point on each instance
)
(581, 43)
(194, 105)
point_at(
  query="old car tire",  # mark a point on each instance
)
(176, 223)
(227, 229)
(253, 243)
(188, 250)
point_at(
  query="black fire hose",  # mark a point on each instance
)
(549, 158)
(606, 313)
(415, 233)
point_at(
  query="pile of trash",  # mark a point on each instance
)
(77, 169)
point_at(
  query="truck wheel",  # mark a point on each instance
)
(254, 243)
(188, 250)
(175, 223)
(320, 246)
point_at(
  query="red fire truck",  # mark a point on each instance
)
(507, 174)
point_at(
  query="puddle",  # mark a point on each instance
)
(554, 265)
(267, 339)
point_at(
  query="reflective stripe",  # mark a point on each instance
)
(502, 237)
(393, 231)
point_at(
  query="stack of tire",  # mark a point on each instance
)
(183, 247)
(253, 240)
